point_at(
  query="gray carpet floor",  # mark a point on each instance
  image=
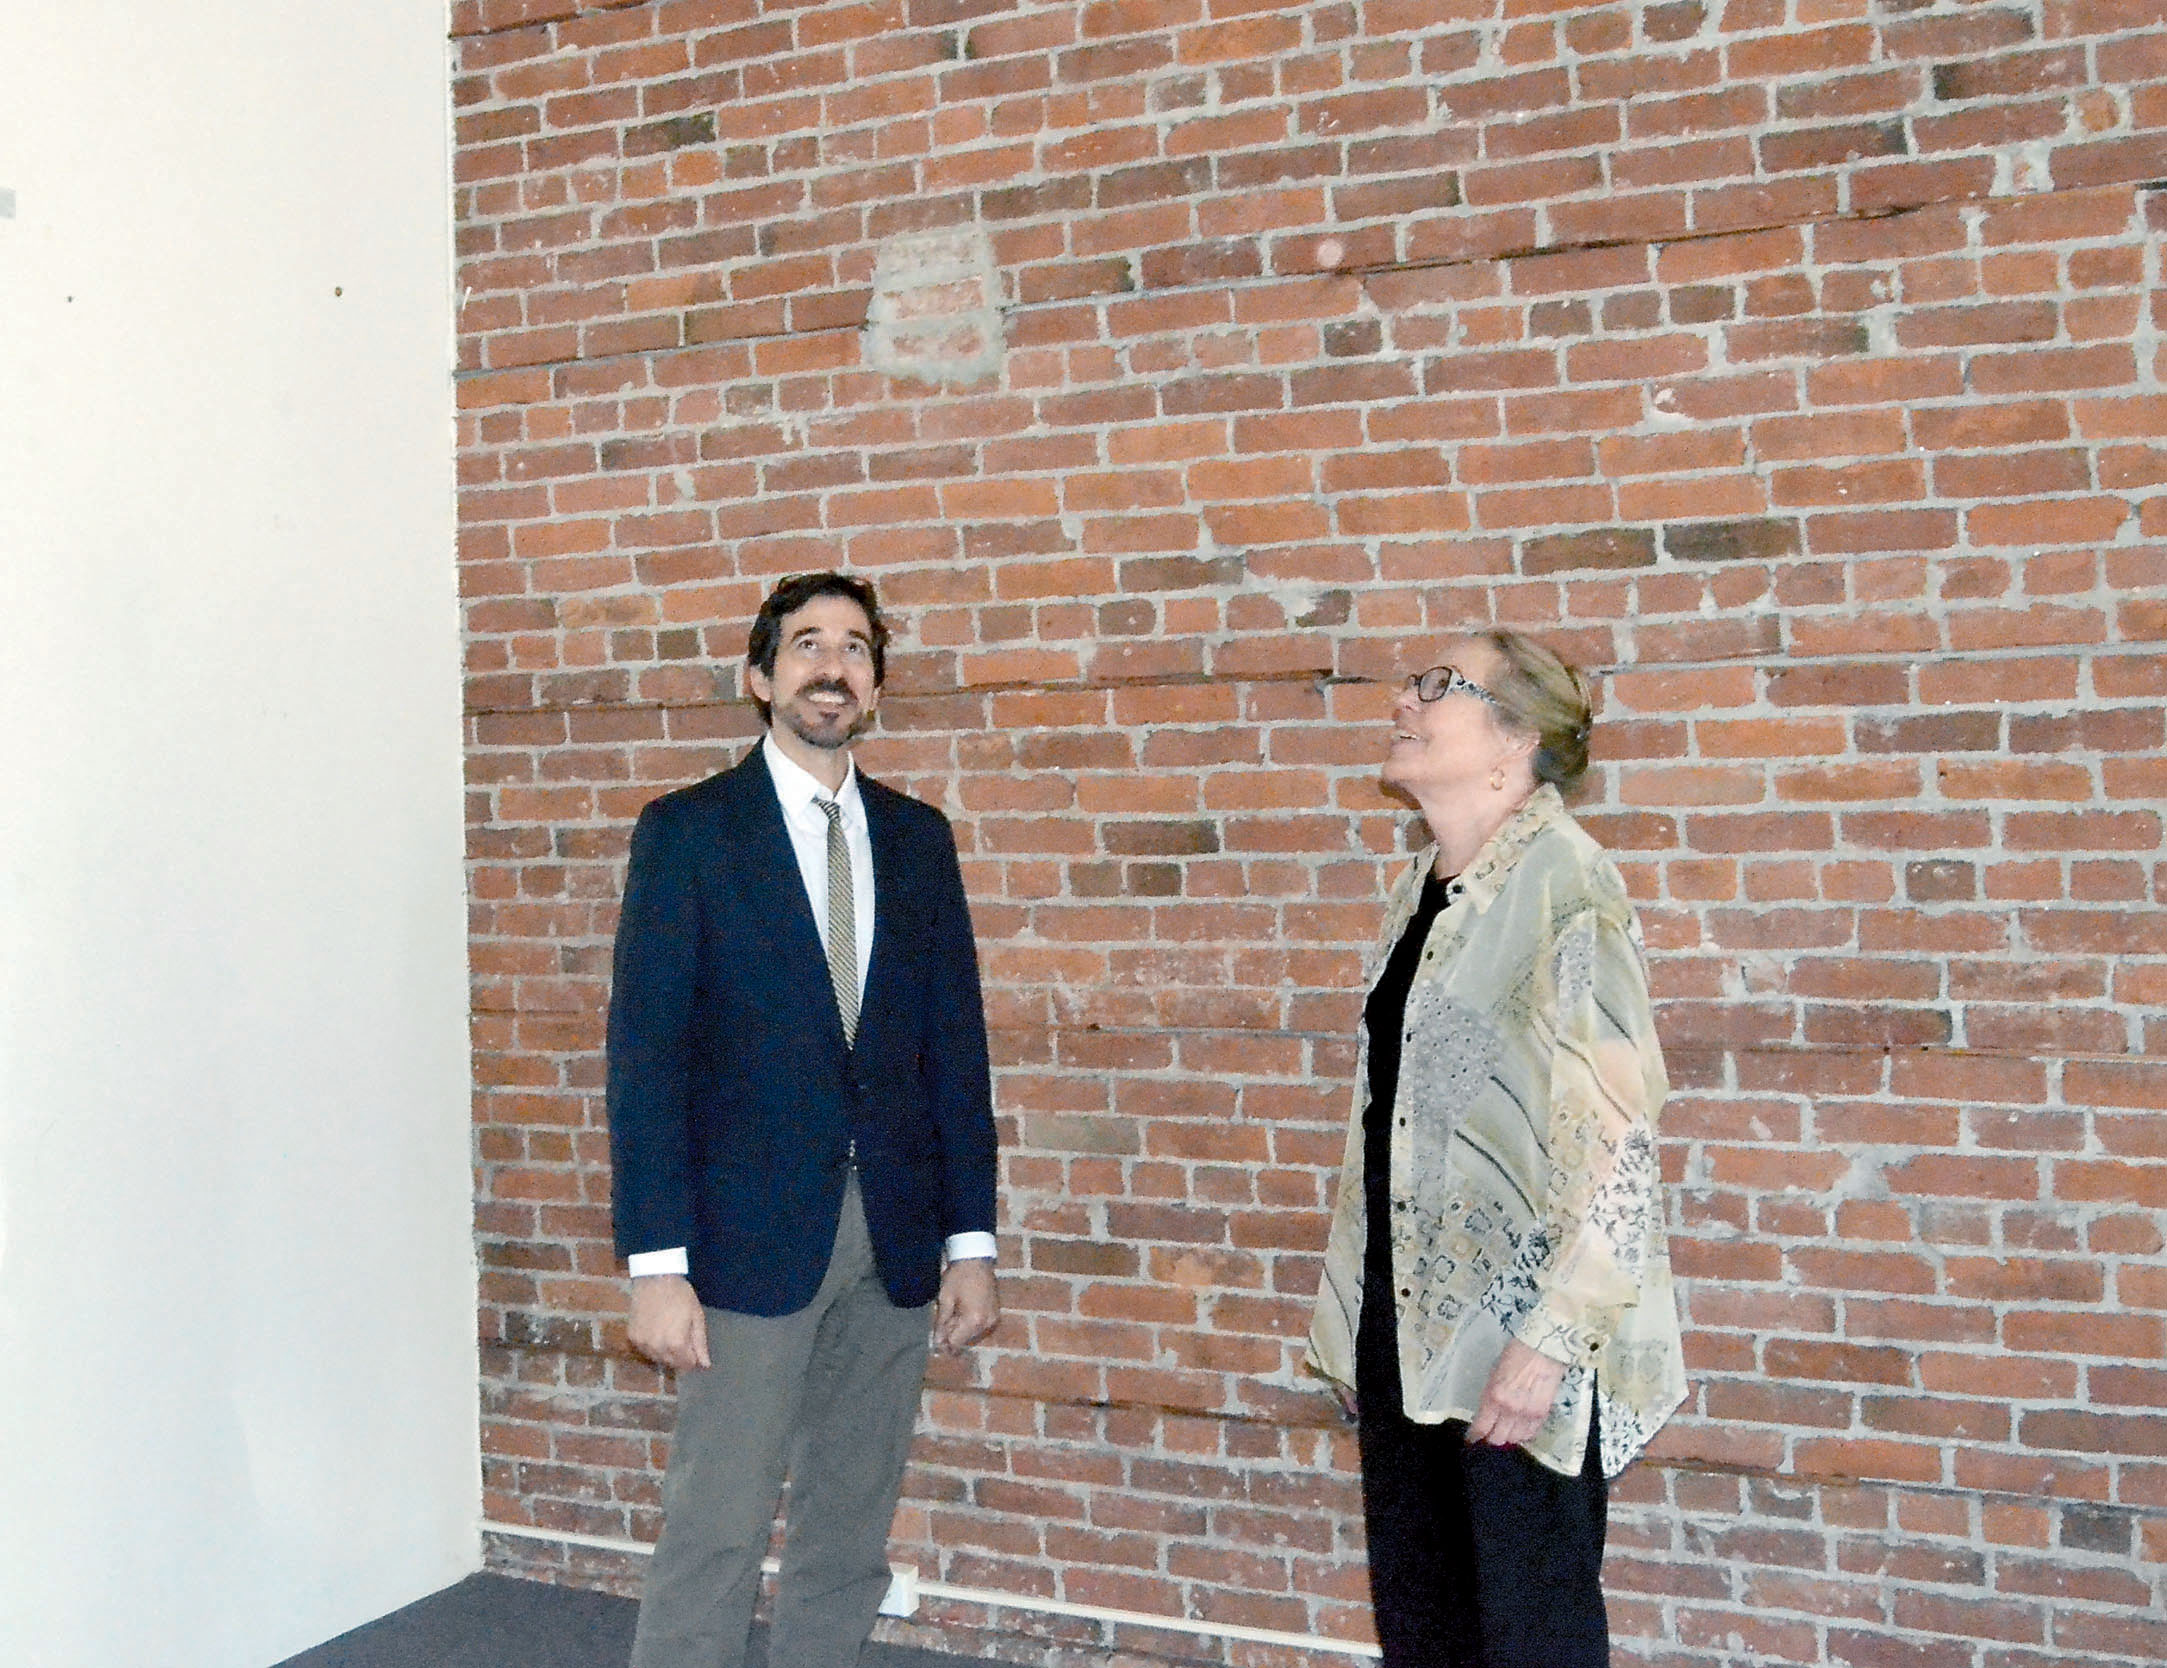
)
(494, 1621)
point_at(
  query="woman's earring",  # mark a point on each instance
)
(1497, 780)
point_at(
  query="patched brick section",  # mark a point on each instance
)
(1601, 547)
(1762, 540)
(936, 308)
(1331, 328)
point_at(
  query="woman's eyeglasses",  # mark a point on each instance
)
(1440, 681)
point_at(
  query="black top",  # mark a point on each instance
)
(1384, 1013)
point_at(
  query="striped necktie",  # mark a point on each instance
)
(842, 923)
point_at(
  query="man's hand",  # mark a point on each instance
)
(1517, 1400)
(969, 1306)
(668, 1326)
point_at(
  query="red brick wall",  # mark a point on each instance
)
(1796, 362)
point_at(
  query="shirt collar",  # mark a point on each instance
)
(1482, 879)
(800, 790)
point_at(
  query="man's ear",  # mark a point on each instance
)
(761, 686)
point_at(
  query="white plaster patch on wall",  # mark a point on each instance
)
(7, 203)
(936, 310)
(1867, 1176)
(2027, 167)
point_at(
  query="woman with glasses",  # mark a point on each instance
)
(1496, 1311)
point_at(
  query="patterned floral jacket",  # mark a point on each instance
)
(1525, 1194)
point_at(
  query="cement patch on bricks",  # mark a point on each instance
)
(935, 315)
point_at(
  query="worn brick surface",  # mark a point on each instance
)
(1797, 363)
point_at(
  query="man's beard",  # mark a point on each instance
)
(819, 729)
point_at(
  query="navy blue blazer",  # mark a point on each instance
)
(733, 1098)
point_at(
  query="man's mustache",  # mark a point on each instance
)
(827, 686)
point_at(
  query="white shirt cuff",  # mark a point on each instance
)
(961, 1248)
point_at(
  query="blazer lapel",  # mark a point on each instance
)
(887, 891)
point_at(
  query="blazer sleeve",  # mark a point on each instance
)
(958, 1071)
(1607, 1086)
(651, 1009)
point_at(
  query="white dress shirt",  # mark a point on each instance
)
(800, 793)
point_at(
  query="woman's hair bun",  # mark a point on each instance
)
(1543, 693)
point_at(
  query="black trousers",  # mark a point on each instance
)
(1479, 1556)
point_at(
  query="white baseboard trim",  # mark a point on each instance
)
(906, 1587)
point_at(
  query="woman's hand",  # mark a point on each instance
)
(1516, 1401)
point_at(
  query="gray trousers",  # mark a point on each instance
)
(830, 1395)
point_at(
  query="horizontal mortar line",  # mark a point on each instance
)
(1186, 680)
(1935, 1050)
(585, 8)
(1095, 1029)
(1331, 1421)
(1360, 273)
(1775, 662)
(1326, 1421)
(1208, 680)
(1512, 252)
(1183, 1074)
(1293, 1034)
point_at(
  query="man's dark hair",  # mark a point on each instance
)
(794, 593)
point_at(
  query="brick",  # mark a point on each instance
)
(2095, 1433)
(1761, 540)
(1615, 547)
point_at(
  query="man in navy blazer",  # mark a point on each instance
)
(802, 1134)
